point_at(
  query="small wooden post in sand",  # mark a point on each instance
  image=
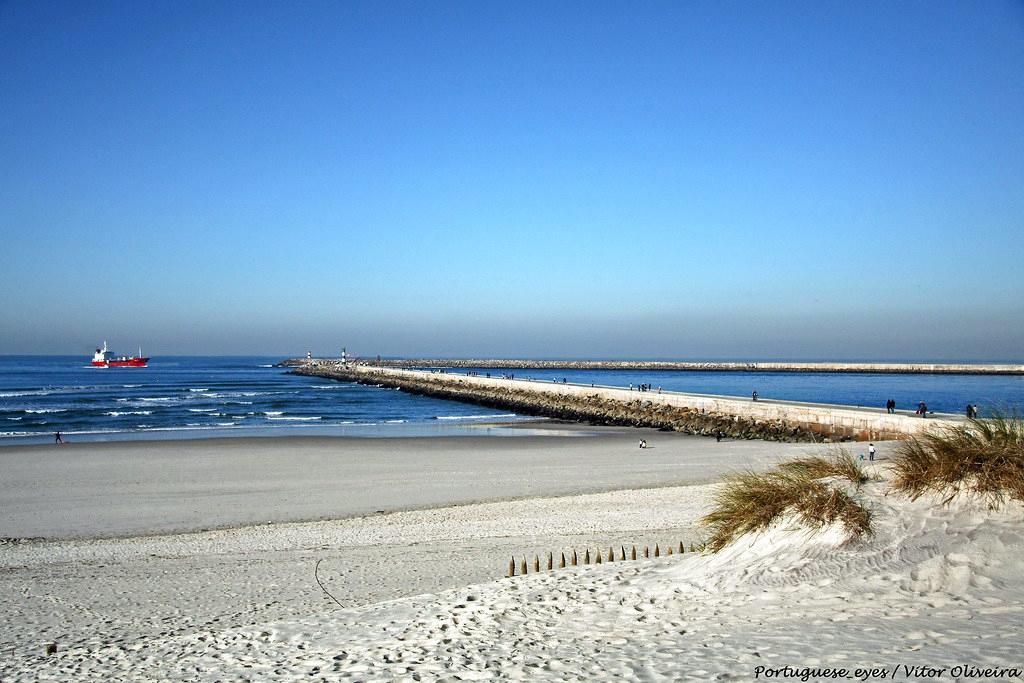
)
(586, 557)
(632, 555)
(647, 551)
(512, 567)
(551, 561)
(561, 562)
(536, 564)
(598, 555)
(522, 566)
(575, 560)
(682, 548)
(657, 550)
(623, 549)
(669, 551)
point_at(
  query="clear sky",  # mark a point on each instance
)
(604, 179)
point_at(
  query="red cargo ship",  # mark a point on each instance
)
(103, 359)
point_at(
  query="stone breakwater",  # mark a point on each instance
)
(690, 414)
(684, 366)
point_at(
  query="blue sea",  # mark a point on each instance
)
(190, 397)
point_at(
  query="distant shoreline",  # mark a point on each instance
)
(681, 366)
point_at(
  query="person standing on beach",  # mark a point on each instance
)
(871, 452)
(754, 395)
(57, 440)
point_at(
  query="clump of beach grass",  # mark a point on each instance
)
(983, 456)
(750, 502)
(837, 464)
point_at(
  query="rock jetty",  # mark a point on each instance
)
(685, 413)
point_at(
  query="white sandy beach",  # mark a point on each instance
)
(422, 589)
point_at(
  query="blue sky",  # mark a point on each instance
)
(672, 180)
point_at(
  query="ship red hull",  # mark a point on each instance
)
(129, 363)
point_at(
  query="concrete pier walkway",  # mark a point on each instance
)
(693, 413)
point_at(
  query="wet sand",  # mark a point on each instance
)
(136, 488)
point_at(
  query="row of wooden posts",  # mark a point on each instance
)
(599, 558)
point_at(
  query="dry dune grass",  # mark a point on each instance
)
(984, 457)
(750, 502)
(840, 464)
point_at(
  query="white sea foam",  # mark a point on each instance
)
(46, 410)
(225, 424)
(266, 366)
(238, 394)
(473, 417)
(14, 418)
(201, 410)
(273, 413)
(299, 419)
(332, 386)
(198, 390)
(116, 413)
(157, 398)
(395, 421)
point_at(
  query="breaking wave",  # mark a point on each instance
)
(473, 417)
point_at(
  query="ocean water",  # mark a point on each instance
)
(186, 397)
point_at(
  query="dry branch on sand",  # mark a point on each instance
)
(984, 457)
